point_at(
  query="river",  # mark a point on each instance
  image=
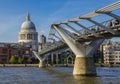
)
(56, 75)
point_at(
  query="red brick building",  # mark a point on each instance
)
(4, 53)
(13, 49)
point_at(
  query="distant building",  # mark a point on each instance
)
(27, 41)
(42, 43)
(42, 39)
(28, 35)
(111, 53)
(13, 49)
(4, 53)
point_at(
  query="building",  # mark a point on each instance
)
(42, 43)
(7, 50)
(28, 35)
(4, 53)
(42, 39)
(111, 53)
(27, 41)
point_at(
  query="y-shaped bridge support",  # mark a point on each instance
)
(41, 60)
(84, 64)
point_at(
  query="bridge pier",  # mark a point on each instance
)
(52, 58)
(84, 66)
(41, 64)
(41, 60)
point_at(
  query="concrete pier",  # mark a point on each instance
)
(41, 64)
(84, 66)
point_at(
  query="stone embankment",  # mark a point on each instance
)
(35, 65)
(55, 65)
(18, 65)
(106, 65)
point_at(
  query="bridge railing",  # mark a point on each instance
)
(112, 23)
(51, 47)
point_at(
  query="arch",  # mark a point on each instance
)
(70, 60)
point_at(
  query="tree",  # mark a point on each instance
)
(99, 60)
(12, 60)
(57, 61)
(65, 60)
(20, 60)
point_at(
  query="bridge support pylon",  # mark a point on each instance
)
(41, 64)
(84, 63)
(84, 66)
(41, 60)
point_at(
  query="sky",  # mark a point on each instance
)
(43, 13)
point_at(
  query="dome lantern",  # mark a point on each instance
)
(28, 17)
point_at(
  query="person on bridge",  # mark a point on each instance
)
(110, 24)
(117, 22)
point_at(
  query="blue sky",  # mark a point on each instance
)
(43, 13)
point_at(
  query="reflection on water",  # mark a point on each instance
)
(108, 72)
(85, 80)
(56, 75)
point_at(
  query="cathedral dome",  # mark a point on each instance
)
(28, 35)
(28, 24)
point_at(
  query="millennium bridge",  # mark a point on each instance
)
(81, 39)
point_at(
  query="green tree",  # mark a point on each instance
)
(99, 60)
(12, 60)
(65, 60)
(20, 60)
(57, 61)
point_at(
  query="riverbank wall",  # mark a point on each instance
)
(35, 65)
(18, 65)
(55, 65)
(106, 65)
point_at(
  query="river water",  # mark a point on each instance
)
(56, 75)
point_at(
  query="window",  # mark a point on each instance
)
(4, 50)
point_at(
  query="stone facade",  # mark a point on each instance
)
(111, 53)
